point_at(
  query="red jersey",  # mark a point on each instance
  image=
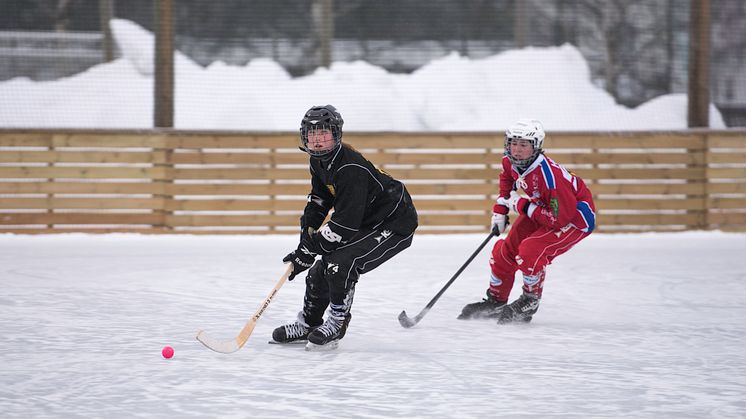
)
(559, 199)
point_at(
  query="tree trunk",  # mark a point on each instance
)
(322, 12)
(106, 13)
(699, 64)
(164, 65)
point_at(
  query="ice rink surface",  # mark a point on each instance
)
(631, 325)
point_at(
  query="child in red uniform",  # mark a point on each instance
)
(557, 213)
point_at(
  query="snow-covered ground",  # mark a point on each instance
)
(453, 93)
(634, 325)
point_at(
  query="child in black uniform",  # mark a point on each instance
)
(373, 220)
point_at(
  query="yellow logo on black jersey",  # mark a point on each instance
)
(331, 189)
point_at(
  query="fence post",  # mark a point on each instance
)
(50, 196)
(163, 152)
(706, 219)
(273, 163)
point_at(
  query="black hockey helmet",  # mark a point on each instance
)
(319, 118)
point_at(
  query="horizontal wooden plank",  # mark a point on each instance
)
(641, 140)
(63, 229)
(238, 189)
(34, 172)
(694, 220)
(268, 158)
(82, 203)
(452, 188)
(235, 205)
(651, 204)
(274, 158)
(284, 205)
(434, 157)
(240, 173)
(731, 228)
(726, 173)
(301, 174)
(427, 221)
(184, 139)
(720, 140)
(25, 139)
(452, 219)
(158, 188)
(444, 173)
(248, 141)
(422, 230)
(648, 188)
(162, 188)
(109, 188)
(643, 174)
(631, 229)
(727, 187)
(690, 158)
(727, 218)
(729, 157)
(11, 156)
(727, 203)
(453, 204)
(232, 220)
(103, 139)
(424, 140)
(79, 218)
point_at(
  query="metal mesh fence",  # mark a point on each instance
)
(636, 50)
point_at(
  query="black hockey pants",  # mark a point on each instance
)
(332, 279)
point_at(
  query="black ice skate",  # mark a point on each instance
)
(327, 336)
(489, 308)
(296, 332)
(520, 310)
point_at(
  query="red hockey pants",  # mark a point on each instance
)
(529, 247)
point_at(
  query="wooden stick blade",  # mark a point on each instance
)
(224, 347)
(230, 346)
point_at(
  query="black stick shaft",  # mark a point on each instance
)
(406, 322)
(461, 269)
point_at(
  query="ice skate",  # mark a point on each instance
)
(327, 336)
(520, 310)
(488, 308)
(296, 332)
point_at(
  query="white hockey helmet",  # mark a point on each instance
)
(525, 129)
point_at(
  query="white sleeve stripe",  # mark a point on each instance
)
(345, 227)
(531, 208)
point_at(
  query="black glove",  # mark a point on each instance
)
(303, 257)
(300, 260)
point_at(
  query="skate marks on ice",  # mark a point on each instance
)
(618, 334)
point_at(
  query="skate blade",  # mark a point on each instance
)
(295, 342)
(312, 347)
(478, 317)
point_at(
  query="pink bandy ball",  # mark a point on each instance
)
(167, 352)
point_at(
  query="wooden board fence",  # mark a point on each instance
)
(164, 181)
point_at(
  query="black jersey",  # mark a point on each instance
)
(364, 198)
